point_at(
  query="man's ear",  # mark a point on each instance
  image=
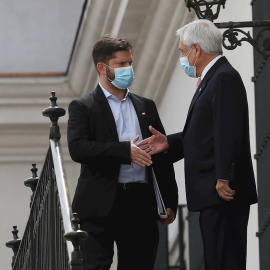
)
(198, 49)
(101, 68)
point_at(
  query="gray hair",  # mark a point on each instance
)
(203, 32)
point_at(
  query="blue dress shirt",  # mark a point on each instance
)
(128, 128)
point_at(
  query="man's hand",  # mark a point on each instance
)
(138, 156)
(154, 144)
(224, 190)
(169, 219)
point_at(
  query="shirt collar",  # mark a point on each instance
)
(109, 95)
(206, 69)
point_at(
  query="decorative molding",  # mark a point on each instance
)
(43, 74)
(152, 75)
(28, 143)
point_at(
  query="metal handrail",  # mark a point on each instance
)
(63, 189)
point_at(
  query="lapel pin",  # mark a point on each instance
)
(200, 89)
(143, 113)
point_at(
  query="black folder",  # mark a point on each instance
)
(160, 204)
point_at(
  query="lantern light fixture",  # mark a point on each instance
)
(203, 8)
(233, 35)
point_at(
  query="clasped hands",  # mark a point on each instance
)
(141, 153)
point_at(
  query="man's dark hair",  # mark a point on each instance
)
(107, 46)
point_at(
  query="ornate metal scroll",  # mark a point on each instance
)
(233, 36)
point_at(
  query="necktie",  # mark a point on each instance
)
(195, 95)
(198, 83)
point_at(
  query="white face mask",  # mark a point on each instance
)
(123, 77)
(188, 69)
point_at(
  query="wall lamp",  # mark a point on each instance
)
(233, 36)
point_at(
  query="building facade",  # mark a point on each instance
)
(150, 26)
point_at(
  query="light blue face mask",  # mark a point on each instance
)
(123, 77)
(188, 69)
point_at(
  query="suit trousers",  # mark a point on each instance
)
(132, 225)
(224, 233)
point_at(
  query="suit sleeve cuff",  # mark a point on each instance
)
(224, 180)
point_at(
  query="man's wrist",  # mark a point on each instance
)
(166, 145)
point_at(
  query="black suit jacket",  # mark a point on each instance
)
(215, 140)
(93, 142)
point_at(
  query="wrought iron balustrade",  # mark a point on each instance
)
(180, 241)
(188, 242)
(44, 244)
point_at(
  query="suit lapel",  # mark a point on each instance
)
(140, 110)
(108, 115)
(106, 111)
(196, 95)
(203, 86)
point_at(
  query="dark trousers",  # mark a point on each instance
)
(224, 233)
(132, 225)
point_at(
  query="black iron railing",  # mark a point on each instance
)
(44, 243)
(188, 242)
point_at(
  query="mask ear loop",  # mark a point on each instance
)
(108, 66)
(106, 75)
(189, 53)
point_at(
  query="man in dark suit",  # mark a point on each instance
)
(115, 197)
(215, 145)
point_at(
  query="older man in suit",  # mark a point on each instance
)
(115, 197)
(215, 145)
